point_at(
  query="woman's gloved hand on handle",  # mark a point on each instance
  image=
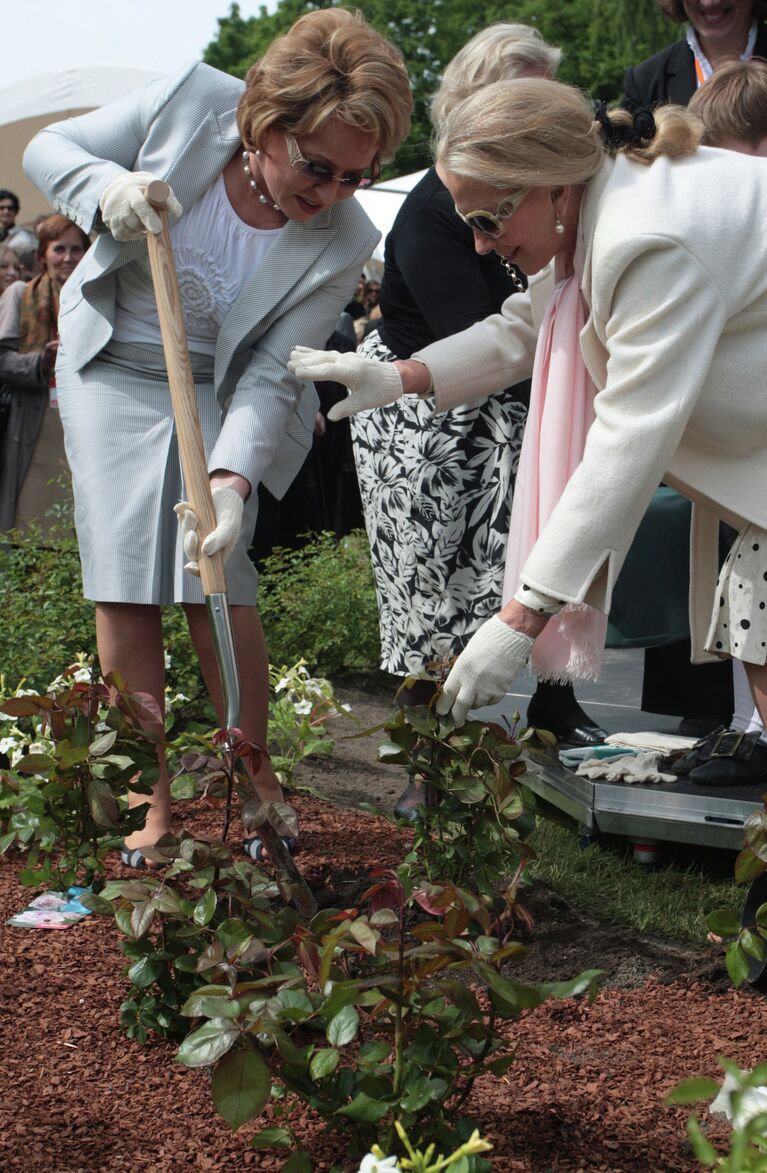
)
(228, 505)
(485, 670)
(125, 210)
(372, 383)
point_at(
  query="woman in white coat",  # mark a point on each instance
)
(658, 237)
(268, 247)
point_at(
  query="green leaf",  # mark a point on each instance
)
(240, 1086)
(383, 916)
(208, 1043)
(753, 946)
(103, 743)
(361, 931)
(145, 971)
(272, 1138)
(388, 751)
(205, 908)
(583, 983)
(102, 803)
(702, 1148)
(723, 922)
(501, 1064)
(343, 1027)
(6, 841)
(167, 901)
(747, 867)
(468, 789)
(737, 964)
(692, 1091)
(364, 1110)
(298, 1163)
(324, 1062)
(141, 918)
(761, 916)
(422, 720)
(211, 1002)
(756, 833)
(417, 1095)
(35, 763)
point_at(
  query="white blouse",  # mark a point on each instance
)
(216, 255)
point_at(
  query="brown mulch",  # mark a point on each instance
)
(584, 1094)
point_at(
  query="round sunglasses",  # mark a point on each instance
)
(322, 174)
(491, 223)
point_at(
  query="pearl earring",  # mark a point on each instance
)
(558, 225)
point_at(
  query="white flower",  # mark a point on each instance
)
(753, 1100)
(373, 1164)
(281, 684)
(8, 743)
(345, 708)
(303, 708)
(166, 654)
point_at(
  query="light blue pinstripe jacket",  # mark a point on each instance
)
(184, 131)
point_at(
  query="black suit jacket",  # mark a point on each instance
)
(669, 76)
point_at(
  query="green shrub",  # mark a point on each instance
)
(318, 604)
(47, 622)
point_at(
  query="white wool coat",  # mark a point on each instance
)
(672, 267)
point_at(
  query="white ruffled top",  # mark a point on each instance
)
(216, 255)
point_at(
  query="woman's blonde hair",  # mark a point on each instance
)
(501, 51)
(533, 132)
(733, 103)
(331, 63)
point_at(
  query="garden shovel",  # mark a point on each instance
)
(195, 471)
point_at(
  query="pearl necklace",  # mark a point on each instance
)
(254, 186)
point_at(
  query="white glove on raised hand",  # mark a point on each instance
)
(485, 670)
(228, 505)
(124, 207)
(372, 383)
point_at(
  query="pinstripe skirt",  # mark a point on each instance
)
(122, 449)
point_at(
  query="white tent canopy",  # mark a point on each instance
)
(383, 201)
(26, 107)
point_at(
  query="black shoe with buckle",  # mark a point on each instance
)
(685, 763)
(735, 759)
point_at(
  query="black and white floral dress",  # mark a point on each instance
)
(436, 492)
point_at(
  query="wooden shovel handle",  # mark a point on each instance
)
(181, 381)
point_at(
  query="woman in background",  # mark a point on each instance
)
(437, 489)
(33, 458)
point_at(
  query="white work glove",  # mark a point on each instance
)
(228, 505)
(485, 670)
(641, 767)
(372, 383)
(124, 208)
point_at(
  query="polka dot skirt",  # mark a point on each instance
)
(739, 621)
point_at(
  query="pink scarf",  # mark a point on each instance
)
(561, 412)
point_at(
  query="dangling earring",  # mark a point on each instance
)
(558, 225)
(513, 272)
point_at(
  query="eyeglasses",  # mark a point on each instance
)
(491, 223)
(322, 174)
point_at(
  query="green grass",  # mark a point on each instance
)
(603, 880)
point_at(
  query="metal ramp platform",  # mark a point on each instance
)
(675, 812)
